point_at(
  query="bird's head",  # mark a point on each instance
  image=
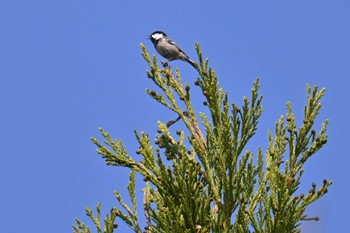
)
(157, 35)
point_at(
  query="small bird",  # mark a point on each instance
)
(168, 48)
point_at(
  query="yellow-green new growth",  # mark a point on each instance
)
(202, 177)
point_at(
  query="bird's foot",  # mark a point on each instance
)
(165, 64)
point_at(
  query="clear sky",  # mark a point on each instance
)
(70, 67)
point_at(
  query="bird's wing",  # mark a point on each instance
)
(173, 43)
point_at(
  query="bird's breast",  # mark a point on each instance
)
(167, 50)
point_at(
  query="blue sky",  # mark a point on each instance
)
(70, 67)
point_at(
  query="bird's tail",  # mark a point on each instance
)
(191, 62)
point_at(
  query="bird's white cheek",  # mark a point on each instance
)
(157, 36)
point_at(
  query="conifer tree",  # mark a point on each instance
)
(202, 178)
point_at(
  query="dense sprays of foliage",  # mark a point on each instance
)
(202, 178)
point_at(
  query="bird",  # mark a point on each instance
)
(168, 48)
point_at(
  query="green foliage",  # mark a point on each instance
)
(210, 182)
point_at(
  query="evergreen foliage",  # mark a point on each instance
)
(210, 182)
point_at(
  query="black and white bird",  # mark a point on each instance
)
(168, 48)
